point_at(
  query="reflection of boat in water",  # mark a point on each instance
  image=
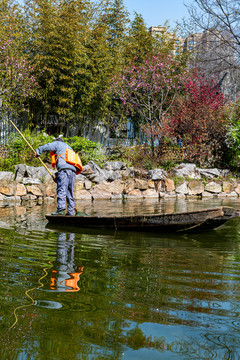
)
(197, 220)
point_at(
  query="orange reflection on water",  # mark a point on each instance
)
(60, 281)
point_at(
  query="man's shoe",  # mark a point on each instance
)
(58, 213)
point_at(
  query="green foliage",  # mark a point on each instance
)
(18, 152)
(168, 165)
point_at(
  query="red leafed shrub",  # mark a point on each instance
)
(197, 118)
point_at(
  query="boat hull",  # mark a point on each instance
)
(185, 221)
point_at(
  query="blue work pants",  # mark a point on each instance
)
(65, 191)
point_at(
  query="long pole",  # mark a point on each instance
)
(31, 148)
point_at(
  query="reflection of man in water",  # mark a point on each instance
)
(65, 274)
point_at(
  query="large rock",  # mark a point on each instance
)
(20, 171)
(139, 174)
(79, 185)
(185, 170)
(209, 173)
(94, 173)
(116, 187)
(20, 190)
(125, 173)
(7, 190)
(83, 195)
(213, 187)
(182, 189)
(113, 175)
(34, 190)
(150, 193)
(151, 184)
(141, 184)
(80, 177)
(87, 184)
(6, 175)
(101, 191)
(169, 185)
(136, 193)
(195, 187)
(129, 186)
(157, 174)
(25, 171)
(207, 194)
(51, 189)
(31, 181)
(227, 187)
(115, 165)
(160, 186)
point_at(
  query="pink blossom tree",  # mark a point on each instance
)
(17, 83)
(148, 90)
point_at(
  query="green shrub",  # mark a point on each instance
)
(18, 152)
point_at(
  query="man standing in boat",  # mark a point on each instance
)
(65, 176)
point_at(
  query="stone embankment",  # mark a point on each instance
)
(116, 181)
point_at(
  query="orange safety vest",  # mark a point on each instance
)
(71, 283)
(72, 158)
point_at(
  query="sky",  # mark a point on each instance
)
(157, 12)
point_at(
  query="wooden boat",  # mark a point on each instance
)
(182, 221)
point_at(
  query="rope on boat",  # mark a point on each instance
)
(192, 227)
(27, 294)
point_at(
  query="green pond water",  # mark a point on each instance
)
(100, 294)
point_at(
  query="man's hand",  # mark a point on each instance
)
(36, 155)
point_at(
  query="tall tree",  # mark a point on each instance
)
(91, 99)
(17, 83)
(117, 20)
(56, 35)
(139, 42)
